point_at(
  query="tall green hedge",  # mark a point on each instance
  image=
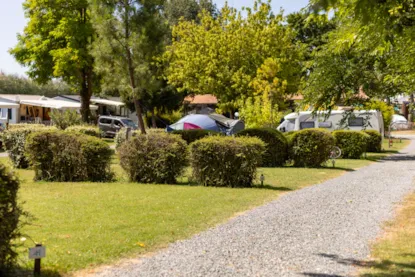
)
(10, 215)
(276, 153)
(64, 157)
(14, 141)
(226, 161)
(374, 142)
(310, 147)
(192, 135)
(154, 158)
(84, 129)
(352, 143)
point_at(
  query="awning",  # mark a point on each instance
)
(8, 105)
(107, 102)
(55, 104)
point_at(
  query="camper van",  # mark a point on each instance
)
(336, 120)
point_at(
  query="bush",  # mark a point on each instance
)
(276, 145)
(10, 215)
(311, 147)
(352, 143)
(374, 142)
(192, 135)
(226, 161)
(85, 129)
(65, 157)
(14, 141)
(25, 125)
(64, 119)
(153, 158)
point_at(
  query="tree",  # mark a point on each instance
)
(55, 44)
(221, 55)
(187, 9)
(130, 34)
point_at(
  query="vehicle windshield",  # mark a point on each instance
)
(129, 123)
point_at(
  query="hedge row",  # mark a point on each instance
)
(64, 157)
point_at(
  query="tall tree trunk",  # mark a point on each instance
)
(85, 94)
(411, 108)
(153, 119)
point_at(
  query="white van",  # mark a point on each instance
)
(337, 120)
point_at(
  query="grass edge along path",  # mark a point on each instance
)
(393, 254)
(84, 225)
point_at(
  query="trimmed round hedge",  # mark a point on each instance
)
(352, 143)
(226, 161)
(310, 147)
(276, 153)
(374, 143)
(84, 129)
(60, 156)
(193, 135)
(153, 158)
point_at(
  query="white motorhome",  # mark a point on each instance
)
(336, 120)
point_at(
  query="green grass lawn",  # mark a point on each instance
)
(87, 224)
(394, 253)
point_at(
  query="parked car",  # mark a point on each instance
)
(110, 125)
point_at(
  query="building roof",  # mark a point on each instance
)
(200, 99)
(54, 104)
(94, 100)
(20, 97)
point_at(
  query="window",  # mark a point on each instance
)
(105, 121)
(118, 123)
(356, 122)
(307, 125)
(129, 123)
(325, 124)
(3, 113)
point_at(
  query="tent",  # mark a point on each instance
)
(213, 122)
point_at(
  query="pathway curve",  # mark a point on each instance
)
(323, 230)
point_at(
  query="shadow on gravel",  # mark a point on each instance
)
(384, 268)
(400, 157)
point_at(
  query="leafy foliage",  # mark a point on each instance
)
(65, 119)
(14, 141)
(276, 153)
(386, 110)
(55, 44)
(187, 10)
(64, 157)
(153, 158)
(11, 214)
(85, 129)
(352, 143)
(374, 141)
(311, 147)
(226, 161)
(193, 135)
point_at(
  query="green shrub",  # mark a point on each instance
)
(276, 153)
(14, 141)
(65, 157)
(352, 143)
(192, 135)
(153, 158)
(374, 143)
(10, 215)
(64, 119)
(25, 125)
(226, 161)
(121, 136)
(310, 147)
(85, 129)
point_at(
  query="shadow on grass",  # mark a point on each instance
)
(271, 187)
(24, 272)
(338, 168)
(384, 268)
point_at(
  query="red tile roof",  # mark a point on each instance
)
(199, 99)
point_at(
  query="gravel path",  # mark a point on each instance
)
(323, 230)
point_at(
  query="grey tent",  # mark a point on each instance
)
(231, 126)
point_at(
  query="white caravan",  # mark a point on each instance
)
(337, 120)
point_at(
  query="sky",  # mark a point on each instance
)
(12, 21)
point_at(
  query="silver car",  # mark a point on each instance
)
(110, 125)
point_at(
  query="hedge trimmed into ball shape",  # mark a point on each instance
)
(154, 158)
(226, 161)
(311, 147)
(60, 156)
(374, 143)
(10, 215)
(193, 135)
(276, 153)
(84, 129)
(352, 143)
(14, 141)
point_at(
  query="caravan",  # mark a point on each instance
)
(356, 120)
